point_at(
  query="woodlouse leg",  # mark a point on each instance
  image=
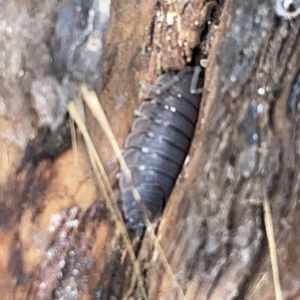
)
(195, 79)
(176, 79)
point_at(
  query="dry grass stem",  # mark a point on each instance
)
(272, 248)
(107, 193)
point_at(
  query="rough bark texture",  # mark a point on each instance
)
(57, 240)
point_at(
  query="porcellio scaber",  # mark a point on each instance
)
(158, 144)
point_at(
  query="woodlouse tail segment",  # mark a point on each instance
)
(139, 231)
(135, 212)
(138, 228)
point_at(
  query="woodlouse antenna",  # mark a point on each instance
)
(195, 80)
(175, 79)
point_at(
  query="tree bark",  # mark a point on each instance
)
(58, 240)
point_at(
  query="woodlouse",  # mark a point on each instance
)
(158, 144)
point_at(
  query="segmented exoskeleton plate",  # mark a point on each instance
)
(158, 144)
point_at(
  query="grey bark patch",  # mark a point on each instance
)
(78, 42)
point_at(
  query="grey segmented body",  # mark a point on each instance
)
(158, 144)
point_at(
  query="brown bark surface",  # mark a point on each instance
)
(57, 238)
